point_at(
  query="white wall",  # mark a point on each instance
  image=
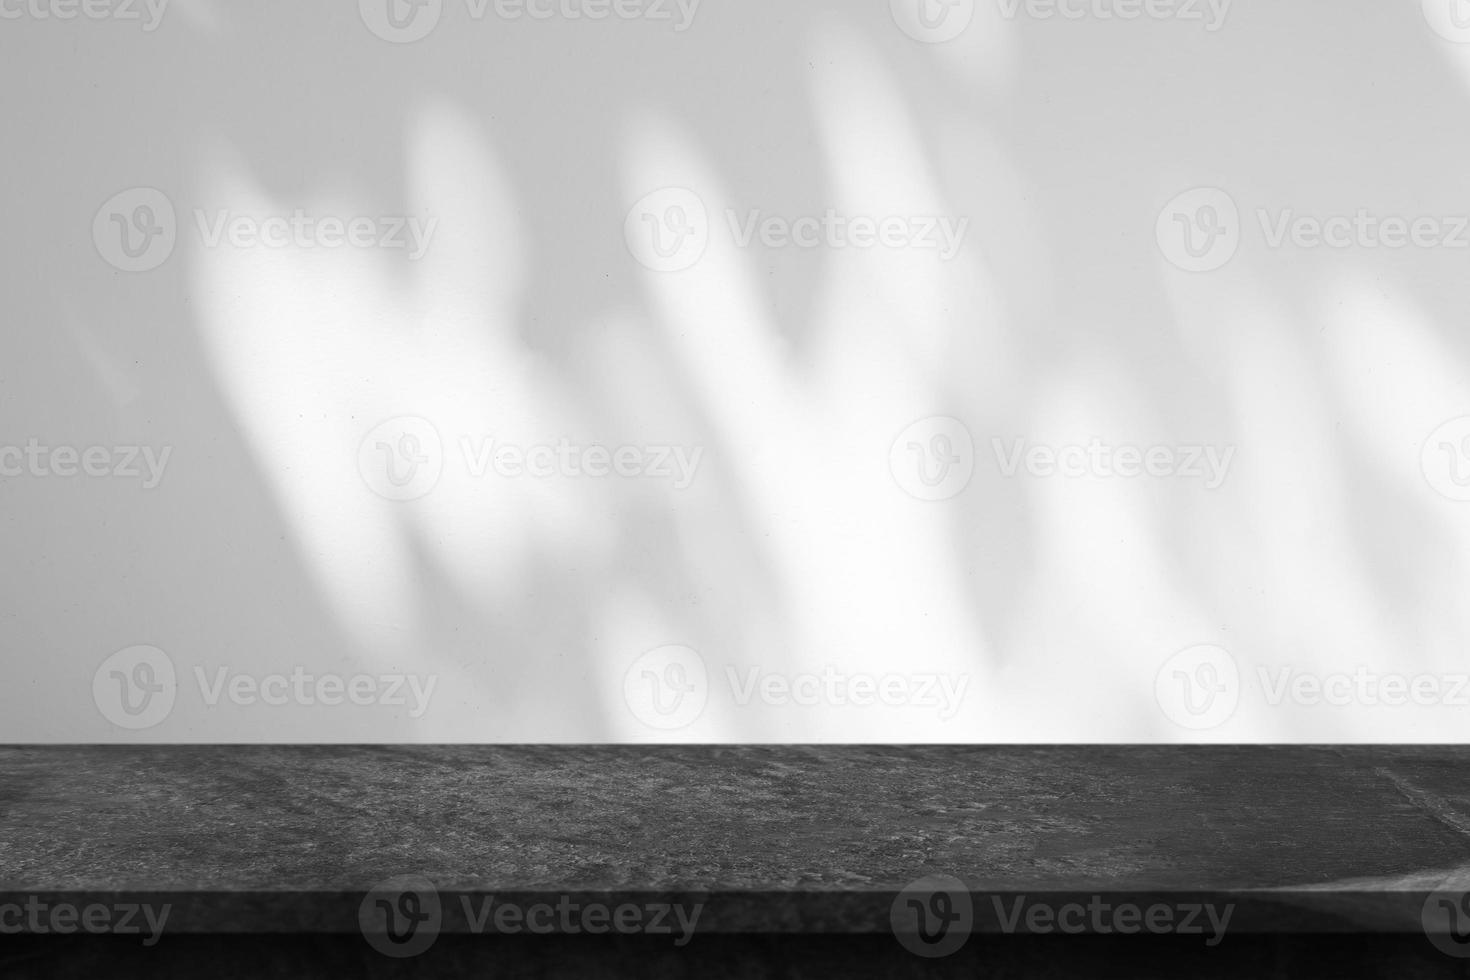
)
(1304, 521)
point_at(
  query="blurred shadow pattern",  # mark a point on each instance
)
(563, 231)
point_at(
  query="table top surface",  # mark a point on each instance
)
(793, 820)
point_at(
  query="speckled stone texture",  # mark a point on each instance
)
(284, 841)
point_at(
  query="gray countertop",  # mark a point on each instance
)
(776, 837)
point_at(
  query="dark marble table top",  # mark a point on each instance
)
(775, 837)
